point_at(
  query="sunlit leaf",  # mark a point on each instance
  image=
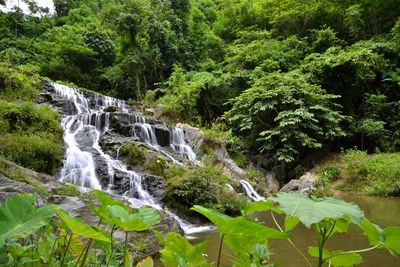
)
(392, 241)
(78, 227)
(178, 251)
(311, 211)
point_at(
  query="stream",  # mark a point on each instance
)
(382, 211)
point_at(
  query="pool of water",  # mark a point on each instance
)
(382, 211)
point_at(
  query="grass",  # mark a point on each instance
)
(375, 174)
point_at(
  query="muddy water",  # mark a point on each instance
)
(382, 211)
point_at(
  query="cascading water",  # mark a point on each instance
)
(82, 131)
(179, 145)
(250, 192)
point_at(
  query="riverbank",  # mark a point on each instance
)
(358, 172)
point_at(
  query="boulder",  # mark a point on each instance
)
(305, 184)
(9, 188)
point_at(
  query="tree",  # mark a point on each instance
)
(283, 115)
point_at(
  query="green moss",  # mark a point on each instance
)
(134, 154)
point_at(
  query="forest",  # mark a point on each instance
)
(285, 86)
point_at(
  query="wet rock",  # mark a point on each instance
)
(86, 137)
(112, 109)
(272, 183)
(163, 134)
(155, 185)
(305, 184)
(158, 111)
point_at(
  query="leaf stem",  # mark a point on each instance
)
(112, 245)
(354, 251)
(125, 248)
(291, 242)
(66, 249)
(220, 249)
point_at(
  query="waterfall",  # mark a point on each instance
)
(82, 132)
(179, 145)
(250, 192)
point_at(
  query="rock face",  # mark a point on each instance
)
(9, 188)
(305, 184)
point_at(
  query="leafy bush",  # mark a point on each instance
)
(16, 84)
(285, 116)
(42, 152)
(156, 165)
(204, 185)
(27, 118)
(134, 154)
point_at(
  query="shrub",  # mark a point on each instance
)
(134, 154)
(28, 118)
(157, 165)
(42, 153)
(18, 84)
(203, 185)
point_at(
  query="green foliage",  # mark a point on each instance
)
(178, 251)
(311, 211)
(283, 115)
(156, 165)
(204, 185)
(42, 152)
(134, 154)
(18, 84)
(20, 218)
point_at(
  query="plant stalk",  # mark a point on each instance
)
(112, 246)
(220, 249)
(125, 248)
(66, 249)
(291, 242)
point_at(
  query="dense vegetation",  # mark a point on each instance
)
(288, 77)
(27, 238)
(30, 135)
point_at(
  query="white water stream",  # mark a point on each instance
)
(79, 166)
(82, 132)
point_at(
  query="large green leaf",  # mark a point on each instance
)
(392, 241)
(19, 217)
(374, 233)
(259, 206)
(178, 251)
(311, 211)
(141, 220)
(239, 226)
(78, 227)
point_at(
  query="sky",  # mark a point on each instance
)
(24, 7)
